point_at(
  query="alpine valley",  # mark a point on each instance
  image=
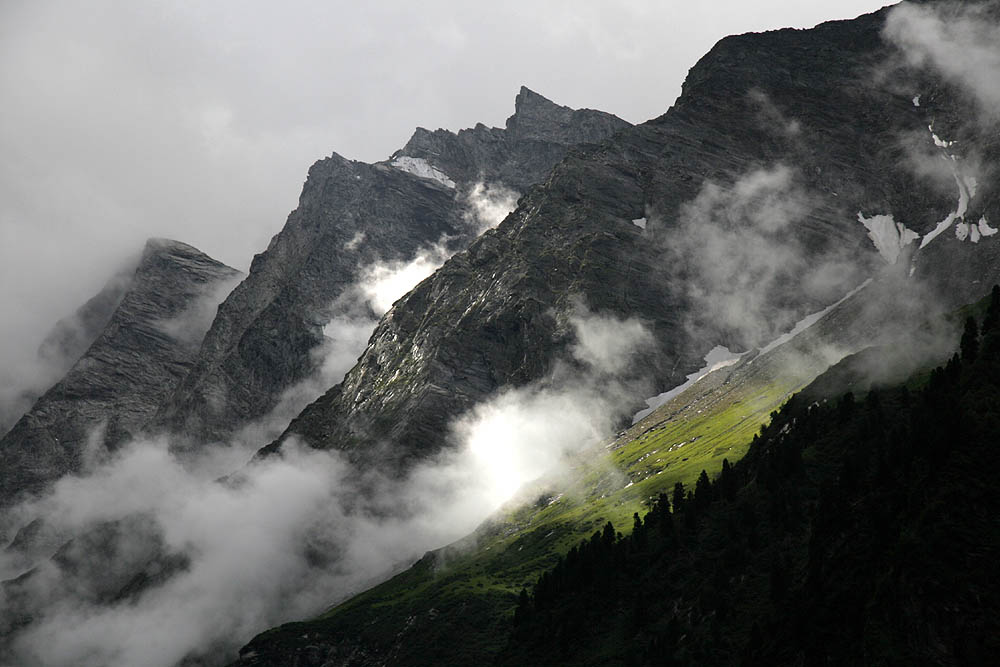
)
(722, 388)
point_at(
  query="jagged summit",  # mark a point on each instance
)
(535, 115)
(350, 215)
(778, 112)
(176, 255)
(533, 139)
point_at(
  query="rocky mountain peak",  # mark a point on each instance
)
(530, 106)
(167, 254)
(350, 216)
(535, 138)
(536, 116)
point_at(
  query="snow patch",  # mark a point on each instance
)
(966, 190)
(984, 227)
(962, 231)
(938, 141)
(889, 236)
(941, 226)
(974, 234)
(963, 198)
(718, 357)
(640, 223)
(355, 241)
(422, 168)
(916, 100)
(971, 184)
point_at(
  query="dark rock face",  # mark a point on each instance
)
(350, 215)
(535, 139)
(808, 101)
(145, 348)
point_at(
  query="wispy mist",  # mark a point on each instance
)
(736, 250)
(190, 326)
(960, 42)
(297, 531)
(488, 205)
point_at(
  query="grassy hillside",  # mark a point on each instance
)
(469, 590)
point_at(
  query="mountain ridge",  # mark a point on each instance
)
(713, 134)
(351, 215)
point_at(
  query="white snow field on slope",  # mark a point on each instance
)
(422, 168)
(889, 236)
(718, 357)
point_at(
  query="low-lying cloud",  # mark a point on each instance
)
(488, 204)
(190, 326)
(959, 42)
(298, 531)
(736, 250)
(354, 315)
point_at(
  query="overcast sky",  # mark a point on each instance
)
(198, 121)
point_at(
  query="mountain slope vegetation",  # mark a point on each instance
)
(856, 530)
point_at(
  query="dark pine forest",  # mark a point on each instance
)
(857, 530)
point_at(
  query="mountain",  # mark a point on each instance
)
(430, 197)
(521, 154)
(786, 136)
(795, 166)
(817, 204)
(145, 346)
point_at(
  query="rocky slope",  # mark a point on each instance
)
(784, 136)
(143, 350)
(269, 332)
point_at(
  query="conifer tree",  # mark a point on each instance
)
(970, 340)
(678, 500)
(703, 491)
(727, 482)
(992, 318)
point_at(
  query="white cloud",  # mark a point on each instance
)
(960, 43)
(295, 532)
(488, 205)
(738, 251)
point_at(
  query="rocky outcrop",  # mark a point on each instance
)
(521, 154)
(145, 347)
(350, 215)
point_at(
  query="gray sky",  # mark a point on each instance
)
(198, 121)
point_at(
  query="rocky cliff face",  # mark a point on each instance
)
(146, 345)
(785, 137)
(521, 154)
(350, 216)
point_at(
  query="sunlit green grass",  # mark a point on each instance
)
(609, 481)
